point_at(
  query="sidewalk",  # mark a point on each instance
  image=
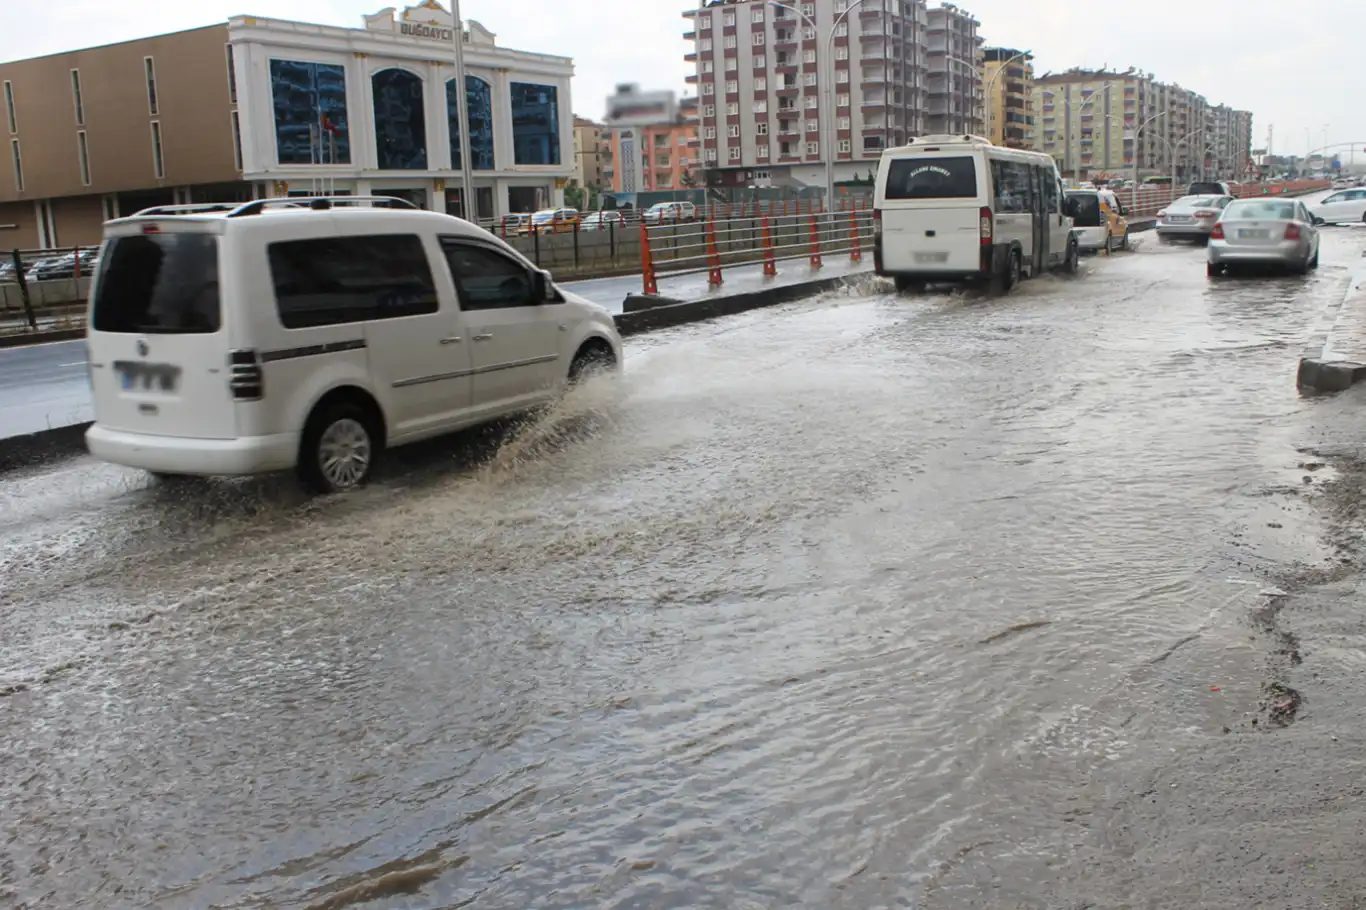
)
(1335, 357)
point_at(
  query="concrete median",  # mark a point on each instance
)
(1335, 357)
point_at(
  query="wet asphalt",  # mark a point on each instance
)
(866, 601)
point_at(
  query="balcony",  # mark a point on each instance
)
(690, 79)
(690, 57)
(690, 36)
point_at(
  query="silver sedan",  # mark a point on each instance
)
(1190, 217)
(1276, 232)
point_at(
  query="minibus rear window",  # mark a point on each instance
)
(932, 178)
(158, 284)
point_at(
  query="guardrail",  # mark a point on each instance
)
(710, 247)
(44, 290)
(1147, 201)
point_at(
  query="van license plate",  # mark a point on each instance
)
(931, 257)
(149, 376)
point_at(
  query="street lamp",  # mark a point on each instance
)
(1087, 102)
(1173, 146)
(986, 90)
(1133, 190)
(972, 68)
(462, 113)
(827, 107)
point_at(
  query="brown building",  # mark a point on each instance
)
(104, 131)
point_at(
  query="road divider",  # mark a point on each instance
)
(1335, 358)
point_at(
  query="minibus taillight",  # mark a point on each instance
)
(248, 382)
(986, 226)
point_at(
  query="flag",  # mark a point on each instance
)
(328, 125)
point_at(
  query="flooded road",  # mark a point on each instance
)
(859, 602)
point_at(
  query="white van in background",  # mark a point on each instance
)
(957, 208)
(239, 339)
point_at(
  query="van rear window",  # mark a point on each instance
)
(1088, 209)
(154, 284)
(932, 178)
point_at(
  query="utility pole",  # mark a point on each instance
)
(463, 113)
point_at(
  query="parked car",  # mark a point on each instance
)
(670, 213)
(1342, 207)
(514, 223)
(64, 266)
(1280, 232)
(1190, 218)
(553, 221)
(1098, 220)
(269, 338)
(601, 221)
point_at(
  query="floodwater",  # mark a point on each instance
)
(866, 601)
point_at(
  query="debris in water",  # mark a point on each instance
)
(1015, 630)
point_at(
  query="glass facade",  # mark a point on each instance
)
(310, 112)
(400, 125)
(535, 123)
(479, 100)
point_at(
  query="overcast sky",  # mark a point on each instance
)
(1293, 65)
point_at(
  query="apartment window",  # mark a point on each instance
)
(83, 156)
(76, 97)
(841, 53)
(758, 38)
(813, 126)
(733, 109)
(734, 153)
(158, 164)
(732, 87)
(813, 148)
(761, 128)
(236, 141)
(760, 106)
(9, 107)
(728, 19)
(757, 15)
(841, 100)
(811, 102)
(809, 9)
(704, 24)
(844, 123)
(809, 33)
(761, 84)
(232, 77)
(845, 146)
(151, 71)
(709, 110)
(808, 56)
(732, 64)
(730, 42)
(18, 161)
(733, 131)
(708, 132)
(842, 6)
(704, 45)
(762, 151)
(842, 30)
(842, 76)
(810, 79)
(711, 154)
(709, 88)
(708, 66)
(761, 62)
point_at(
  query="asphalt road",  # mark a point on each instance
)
(867, 601)
(46, 386)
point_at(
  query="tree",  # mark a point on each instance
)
(575, 197)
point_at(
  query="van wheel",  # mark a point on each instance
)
(1109, 244)
(591, 360)
(338, 449)
(1124, 243)
(1071, 264)
(1010, 278)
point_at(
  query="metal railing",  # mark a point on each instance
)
(44, 290)
(713, 245)
(1145, 201)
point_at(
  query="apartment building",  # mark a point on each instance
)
(258, 107)
(954, 85)
(651, 157)
(1228, 141)
(592, 151)
(1008, 80)
(781, 90)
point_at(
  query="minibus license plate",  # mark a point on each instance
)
(931, 257)
(161, 377)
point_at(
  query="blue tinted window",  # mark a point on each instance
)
(535, 123)
(479, 100)
(400, 127)
(310, 112)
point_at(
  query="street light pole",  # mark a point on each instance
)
(1133, 190)
(462, 113)
(986, 90)
(972, 68)
(1105, 90)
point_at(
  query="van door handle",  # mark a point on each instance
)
(453, 339)
(483, 337)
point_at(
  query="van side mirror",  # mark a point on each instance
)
(543, 287)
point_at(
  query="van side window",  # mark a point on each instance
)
(1012, 191)
(339, 280)
(485, 278)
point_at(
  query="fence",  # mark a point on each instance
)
(1147, 200)
(711, 246)
(43, 290)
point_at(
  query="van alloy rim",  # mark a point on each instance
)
(344, 453)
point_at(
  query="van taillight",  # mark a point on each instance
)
(248, 382)
(877, 222)
(987, 225)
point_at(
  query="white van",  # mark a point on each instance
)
(239, 339)
(957, 208)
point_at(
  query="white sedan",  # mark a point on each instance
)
(1342, 207)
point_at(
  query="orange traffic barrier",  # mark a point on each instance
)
(647, 262)
(855, 254)
(713, 257)
(770, 264)
(815, 244)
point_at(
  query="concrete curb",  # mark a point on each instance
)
(1320, 369)
(25, 339)
(726, 305)
(18, 452)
